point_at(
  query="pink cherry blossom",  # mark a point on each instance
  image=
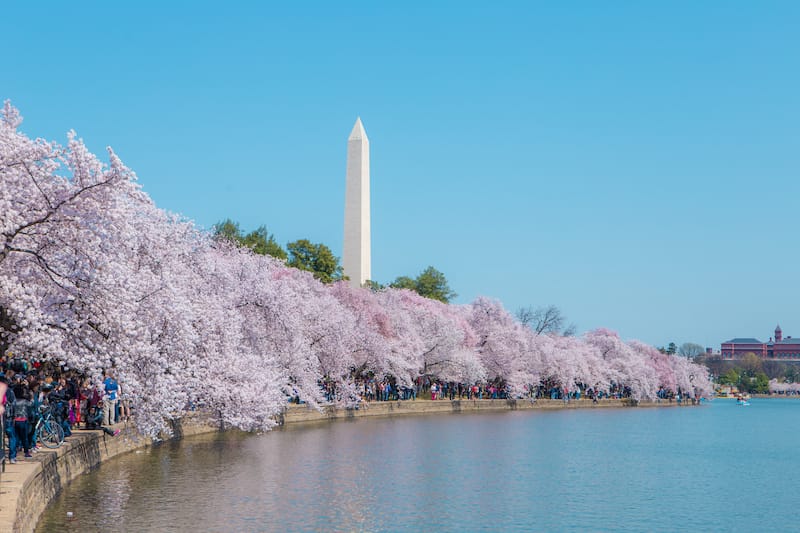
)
(94, 275)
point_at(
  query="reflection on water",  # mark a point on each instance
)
(622, 469)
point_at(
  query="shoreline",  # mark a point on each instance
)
(28, 487)
(304, 414)
(764, 396)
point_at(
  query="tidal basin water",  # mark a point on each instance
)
(716, 467)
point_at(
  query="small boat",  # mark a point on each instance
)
(743, 399)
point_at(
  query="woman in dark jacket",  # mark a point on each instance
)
(23, 415)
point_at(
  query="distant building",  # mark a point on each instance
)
(779, 349)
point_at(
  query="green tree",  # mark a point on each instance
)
(760, 384)
(264, 243)
(671, 348)
(259, 240)
(748, 377)
(731, 377)
(374, 286)
(228, 230)
(315, 258)
(404, 282)
(430, 283)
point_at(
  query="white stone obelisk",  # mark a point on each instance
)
(356, 250)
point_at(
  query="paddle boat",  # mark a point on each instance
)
(743, 399)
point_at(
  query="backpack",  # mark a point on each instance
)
(23, 409)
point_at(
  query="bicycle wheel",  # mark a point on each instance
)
(51, 435)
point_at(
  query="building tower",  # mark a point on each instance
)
(356, 249)
(778, 333)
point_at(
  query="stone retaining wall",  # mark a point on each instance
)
(298, 414)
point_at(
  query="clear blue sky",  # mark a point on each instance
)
(635, 163)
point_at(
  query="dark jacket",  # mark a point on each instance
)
(71, 390)
(24, 408)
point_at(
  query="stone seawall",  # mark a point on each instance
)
(300, 414)
(27, 487)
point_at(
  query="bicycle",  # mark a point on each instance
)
(48, 431)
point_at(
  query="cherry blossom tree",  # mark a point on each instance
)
(625, 366)
(500, 340)
(95, 276)
(376, 338)
(432, 336)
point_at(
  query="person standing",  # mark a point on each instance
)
(3, 388)
(124, 402)
(57, 398)
(9, 403)
(36, 401)
(74, 399)
(110, 400)
(23, 414)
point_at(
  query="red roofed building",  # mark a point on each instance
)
(780, 349)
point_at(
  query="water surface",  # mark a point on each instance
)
(710, 468)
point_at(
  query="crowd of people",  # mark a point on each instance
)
(29, 389)
(372, 389)
(428, 387)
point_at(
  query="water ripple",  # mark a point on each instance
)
(706, 469)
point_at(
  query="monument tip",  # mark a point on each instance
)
(358, 131)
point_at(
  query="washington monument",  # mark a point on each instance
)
(356, 250)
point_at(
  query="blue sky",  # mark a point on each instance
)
(635, 163)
